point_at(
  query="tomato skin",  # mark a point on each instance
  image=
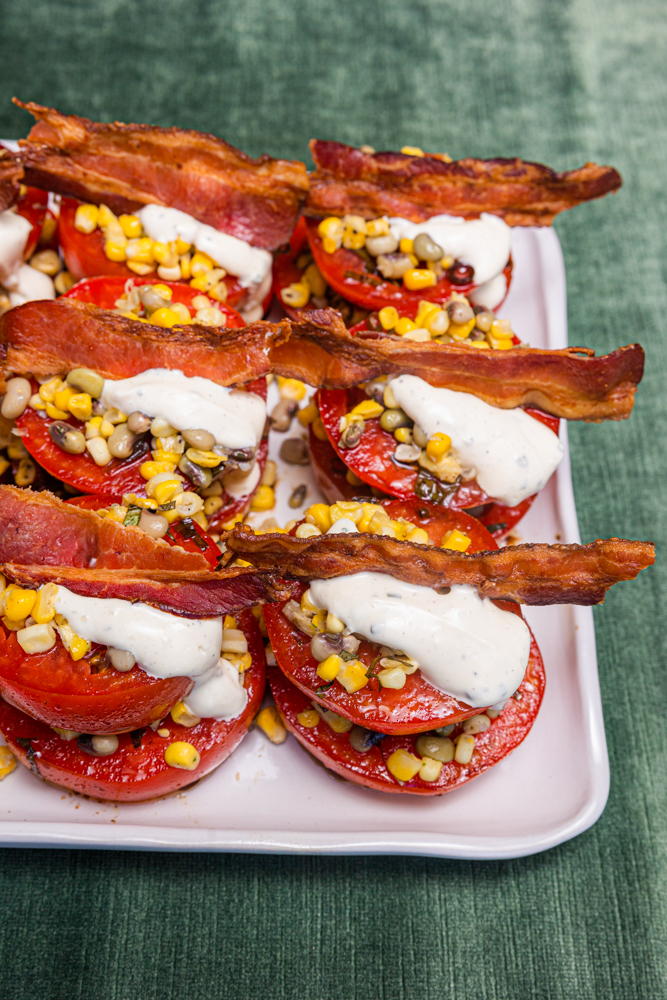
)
(136, 774)
(33, 206)
(373, 292)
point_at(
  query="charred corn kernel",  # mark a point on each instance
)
(296, 294)
(377, 227)
(328, 669)
(264, 498)
(404, 326)
(8, 762)
(26, 473)
(419, 536)
(333, 229)
(86, 218)
(320, 620)
(105, 217)
(182, 755)
(419, 277)
(456, 540)
(114, 250)
(55, 412)
(319, 514)
(403, 765)
(318, 429)
(185, 265)
(183, 717)
(44, 607)
(313, 277)
(80, 405)
(308, 414)
(165, 317)
(465, 744)
(412, 150)
(200, 263)
(388, 317)
(307, 603)
(131, 226)
(392, 677)
(461, 330)
(207, 459)
(149, 469)
(368, 409)
(291, 388)
(63, 396)
(36, 638)
(48, 390)
(438, 445)
(355, 222)
(308, 718)
(405, 245)
(352, 676)
(19, 603)
(271, 724)
(403, 435)
(430, 769)
(140, 250)
(36, 402)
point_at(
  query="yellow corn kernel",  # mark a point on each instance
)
(4, 465)
(427, 310)
(456, 541)
(406, 245)
(338, 723)
(207, 459)
(291, 388)
(8, 761)
(404, 326)
(419, 277)
(377, 227)
(333, 229)
(167, 490)
(131, 226)
(350, 509)
(180, 247)
(182, 311)
(370, 512)
(320, 515)
(308, 414)
(412, 150)
(430, 769)
(170, 457)
(165, 317)
(44, 607)
(320, 620)
(36, 402)
(73, 643)
(163, 254)
(419, 536)
(200, 263)
(229, 622)
(403, 435)
(264, 498)
(63, 396)
(105, 217)
(271, 724)
(328, 669)
(438, 445)
(353, 240)
(149, 469)
(93, 427)
(329, 245)
(388, 317)
(318, 429)
(142, 268)
(106, 428)
(461, 330)
(352, 676)
(86, 218)
(48, 390)
(465, 744)
(185, 263)
(403, 765)
(55, 412)
(80, 405)
(114, 251)
(307, 603)
(182, 717)
(368, 409)
(308, 718)
(182, 755)
(18, 603)
(313, 277)
(242, 661)
(140, 250)
(504, 344)
(296, 295)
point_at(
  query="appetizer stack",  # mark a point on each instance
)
(138, 610)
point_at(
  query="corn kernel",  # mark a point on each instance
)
(164, 317)
(430, 769)
(140, 250)
(461, 330)
(368, 409)
(403, 435)
(183, 717)
(207, 459)
(181, 311)
(80, 405)
(353, 240)
(36, 402)
(142, 268)
(313, 278)
(18, 603)
(308, 718)
(291, 388)
(185, 263)
(338, 723)
(114, 251)
(7, 762)
(149, 469)
(200, 263)
(320, 515)
(131, 226)
(73, 643)
(332, 228)
(296, 295)
(353, 676)
(105, 217)
(318, 429)
(456, 541)
(403, 765)
(48, 390)
(86, 218)
(308, 414)
(465, 745)
(418, 536)
(264, 498)
(419, 277)
(182, 755)
(388, 317)
(329, 245)
(404, 326)
(63, 396)
(36, 638)
(167, 490)
(438, 445)
(44, 607)
(55, 412)
(392, 677)
(406, 245)
(328, 669)
(377, 227)
(427, 310)
(412, 150)
(320, 620)
(271, 724)
(4, 465)
(180, 247)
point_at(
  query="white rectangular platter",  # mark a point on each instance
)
(267, 798)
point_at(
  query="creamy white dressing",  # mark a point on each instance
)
(513, 454)
(483, 243)
(249, 264)
(164, 645)
(238, 483)
(14, 233)
(464, 644)
(343, 526)
(491, 293)
(234, 417)
(28, 285)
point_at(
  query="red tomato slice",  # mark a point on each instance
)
(335, 751)
(372, 461)
(135, 773)
(417, 707)
(105, 290)
(349, 275)
(33, 206)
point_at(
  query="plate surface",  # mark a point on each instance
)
(275, 798)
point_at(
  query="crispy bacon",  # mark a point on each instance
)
(11, 172)
(194, 594)
(55, 336)
(527, 574)
(347, 180)
(571, 383)
(128, 166)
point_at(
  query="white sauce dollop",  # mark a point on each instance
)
(513, 454)
(164, 645)
(491, 293)
(234, 417)
(484, 243)
(249, 264)
(24, 283)
(464, 644)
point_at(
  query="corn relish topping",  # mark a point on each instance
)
(456, 322)
(154, 304)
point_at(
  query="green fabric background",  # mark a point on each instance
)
(560, 81)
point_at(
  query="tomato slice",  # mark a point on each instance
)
(105, 290)
(418, 706)
(33, 206)
(335, 751)
(349, 275)
(137, 770)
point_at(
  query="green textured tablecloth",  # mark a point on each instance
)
(561, 81)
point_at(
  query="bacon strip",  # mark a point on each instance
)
(11, 173)
(347, 180)
(528, 574)
(197, 594)
(567, 383)
(55, 336)
(128, 166)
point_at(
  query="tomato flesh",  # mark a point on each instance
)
(133, 773)
(33, 207)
